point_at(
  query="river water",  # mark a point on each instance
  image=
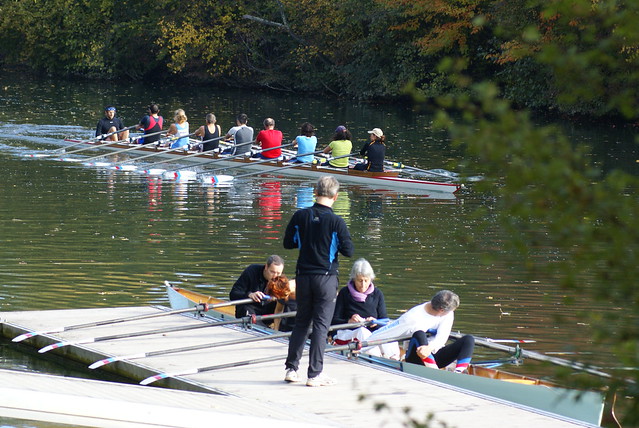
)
(83, 237)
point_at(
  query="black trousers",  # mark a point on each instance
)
(460, 350)
(315, 296)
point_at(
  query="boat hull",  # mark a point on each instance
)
(388, 180)
(585, 406)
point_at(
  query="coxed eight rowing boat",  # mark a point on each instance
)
(387, 180)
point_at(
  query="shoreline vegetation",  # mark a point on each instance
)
(381, 50)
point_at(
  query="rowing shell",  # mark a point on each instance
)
(537, 394)
(387, 180)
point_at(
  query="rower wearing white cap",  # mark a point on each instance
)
(375, 151)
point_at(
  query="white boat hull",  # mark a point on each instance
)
(385, 181)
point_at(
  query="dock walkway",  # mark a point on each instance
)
(259, 388)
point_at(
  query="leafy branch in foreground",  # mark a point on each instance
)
(551, 198)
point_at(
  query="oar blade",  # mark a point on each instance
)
(128, 167)
(180, 175)
(31, 334)
(161, 376)
(53, 346)
(104, 362)
(155, 171)
(218, 180)
(110, 360)
(25, 336)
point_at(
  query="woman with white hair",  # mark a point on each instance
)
(359, 301)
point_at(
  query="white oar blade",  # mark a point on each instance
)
(218, 180)
(180, 175)
(125, 167)
(98, 164)
(106, 361)
(26, 336)
(161, 376)
(155, 171)
(53, 346)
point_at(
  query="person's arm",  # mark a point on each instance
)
(364, 150)
(242, 286)
(327, 149)
(279, 308)
(443, 332)
(172, 130)
(98, 128)
(340, 305)
(290, 237)
(381, 306)
(199, 132)
(346, 247)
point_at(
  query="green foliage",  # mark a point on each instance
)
(541, 180)
(353, 48)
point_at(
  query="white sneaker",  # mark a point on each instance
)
(320, 380)
(291, 376)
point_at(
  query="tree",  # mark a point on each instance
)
(591, 220)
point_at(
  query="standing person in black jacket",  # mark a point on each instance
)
(320, 235)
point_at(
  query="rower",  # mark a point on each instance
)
(375, 151)
(110, 124)
(430, 324)
(152, 124)
(241, 134)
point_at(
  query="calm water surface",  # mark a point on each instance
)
(79, 237)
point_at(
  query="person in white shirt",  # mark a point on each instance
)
(430, 324)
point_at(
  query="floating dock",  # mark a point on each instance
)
(248, 392)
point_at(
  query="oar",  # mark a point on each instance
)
(200, 307)
(292, 165)
(100, 137)
(106, 361)
(207, 162)
(488, 343)
(244, 320)
(185, 156)
(243, 165)
(211, 179)
(128, 149)
(418, 170)
(168, 150)
(352, 346)
(90, 146)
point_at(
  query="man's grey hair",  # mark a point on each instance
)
(275, 260)
(445, 300)
(327, 186)
(363, 268)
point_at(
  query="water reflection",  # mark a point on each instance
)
(270, 205)
(154, 192)
(342, 206)
(305, 197)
